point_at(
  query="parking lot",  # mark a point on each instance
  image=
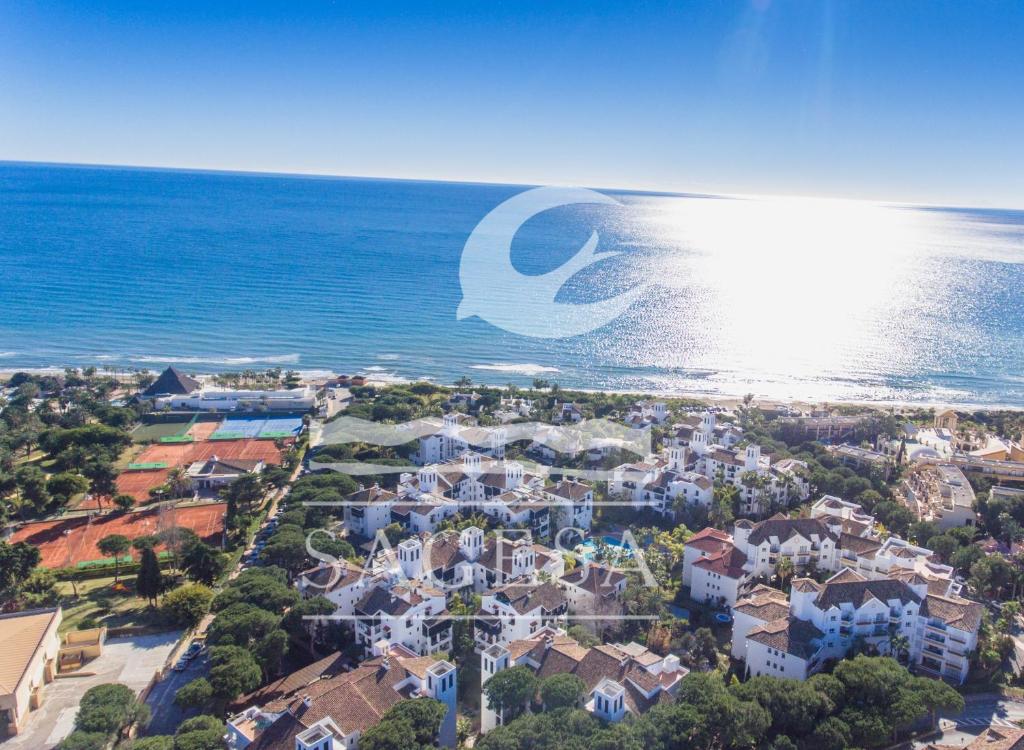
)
(131, 661)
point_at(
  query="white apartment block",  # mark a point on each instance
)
(719, 567)
(825, 620)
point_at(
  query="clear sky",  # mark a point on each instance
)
(891, 100)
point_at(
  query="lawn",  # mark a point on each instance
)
(101, 602)
(151, 433)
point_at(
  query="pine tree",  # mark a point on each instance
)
(150, 580)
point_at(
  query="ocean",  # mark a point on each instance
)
(806, 299)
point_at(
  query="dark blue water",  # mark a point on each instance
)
(214, 271)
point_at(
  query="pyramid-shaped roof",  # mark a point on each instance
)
(172, 382)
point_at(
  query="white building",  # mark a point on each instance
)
(29, 663)
(215, 472)
(825, 620)
(413, 615)
(574, 500)
(518, 610)
(205, 398)
(620, 679)
(719, 567)
(458, 434)
(594, 592)
(940, 493)
(324, 707)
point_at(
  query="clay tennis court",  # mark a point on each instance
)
(137, 484)
(182, 454)
(203, 430)
(71, 541)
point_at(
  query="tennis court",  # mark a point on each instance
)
(72, 541)
(152, 433)
(202, 430)
(281, 427)
(137, 484)
(183, 454)
(234, 428)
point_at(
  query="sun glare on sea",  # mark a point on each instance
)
(798, 286)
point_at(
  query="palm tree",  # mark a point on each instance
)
(899, 644)
(784, 569)
(178, 483)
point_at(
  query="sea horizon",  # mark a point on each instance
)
(790, 299)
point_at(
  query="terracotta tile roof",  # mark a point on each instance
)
(526, 597)
(960, 613)
(346, 574)
(789, 634)
(993, 738)
(727, 562)
(765, 607)
(371, 495)
(570, 490)
(286, 686)
(709, 540)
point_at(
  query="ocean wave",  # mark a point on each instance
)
(517, 369)
(7, 354)
(271, 359)
(389, 357)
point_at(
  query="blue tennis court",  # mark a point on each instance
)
(281, 427)
(237, 428)
(242, 428)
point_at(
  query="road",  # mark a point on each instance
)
(981, 711)
(167, 716)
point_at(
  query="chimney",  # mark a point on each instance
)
(307, 701)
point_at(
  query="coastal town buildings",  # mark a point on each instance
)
(693, 462)
(719, 568)
(518, 610)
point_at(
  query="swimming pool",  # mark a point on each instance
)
(587, 549)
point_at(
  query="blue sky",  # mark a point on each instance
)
(904, 101)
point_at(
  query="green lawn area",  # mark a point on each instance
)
(151, 433)
(97, 599)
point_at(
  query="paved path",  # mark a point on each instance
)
(130, 661)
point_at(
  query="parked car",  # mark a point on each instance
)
(181, 665)
(193, 650)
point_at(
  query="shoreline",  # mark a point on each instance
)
(730, 402)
